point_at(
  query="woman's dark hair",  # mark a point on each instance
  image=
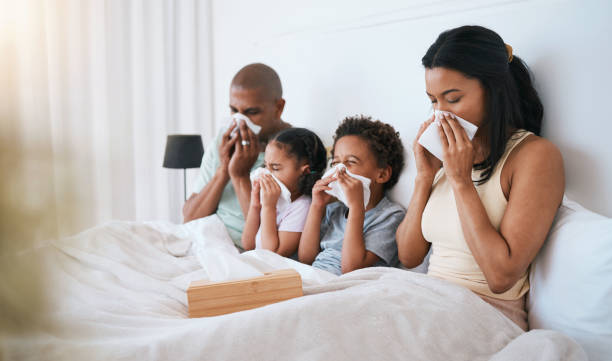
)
(305, 145)
(511, 101)
(385, 143)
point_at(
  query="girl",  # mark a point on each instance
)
(296, 158)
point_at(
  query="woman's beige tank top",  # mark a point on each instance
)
(451, 258)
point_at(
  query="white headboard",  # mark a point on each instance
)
(365, 58)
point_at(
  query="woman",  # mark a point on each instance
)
(486, 210)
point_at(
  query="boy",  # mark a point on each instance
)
(341, 237)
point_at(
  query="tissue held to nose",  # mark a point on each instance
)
(237, 117)
(430, 139)
(285, 197)
(336, 189)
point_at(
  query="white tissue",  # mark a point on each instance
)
(285, 196)
(216, 252)
(430, 139)
(239, 116)
(336, 189)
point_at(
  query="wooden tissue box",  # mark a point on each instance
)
(207, 298)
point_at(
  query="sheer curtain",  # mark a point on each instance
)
(89, 91)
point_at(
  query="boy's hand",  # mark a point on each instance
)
(255, 202)
(353, 189)
(271, 191)
(319, 197)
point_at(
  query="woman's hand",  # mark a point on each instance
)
(320, 198)
(426, 163)
(353, 189)
(270, 191)
(255, 190)
(458, 151)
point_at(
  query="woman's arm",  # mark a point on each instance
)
(411, 245)
(536, 183)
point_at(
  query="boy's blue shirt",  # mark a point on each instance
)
(379, 226)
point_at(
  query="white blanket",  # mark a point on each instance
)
(118, 293)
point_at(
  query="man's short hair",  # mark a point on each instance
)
(258, 75)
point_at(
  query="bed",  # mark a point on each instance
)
(118, 291)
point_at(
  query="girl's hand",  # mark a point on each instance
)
(271, 191)
(353, 189)
(426, 163)
(319, 197)
(255, 190)
(458, 151)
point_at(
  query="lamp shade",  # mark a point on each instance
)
(183, 151)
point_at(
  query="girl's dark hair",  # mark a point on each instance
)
(305, 145)
(511, 101)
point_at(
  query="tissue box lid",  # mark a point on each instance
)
(216, 298)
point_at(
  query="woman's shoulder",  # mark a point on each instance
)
(535, 154)
(537, 149)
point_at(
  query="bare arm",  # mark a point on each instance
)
(411, 245)
(536, 191)
(242, 187)
(354, 253)
(310, 241)
(252, 223)
(205, 202)
(283, 243)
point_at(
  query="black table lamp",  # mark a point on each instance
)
(183, 151)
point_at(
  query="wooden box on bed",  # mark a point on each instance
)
(217, 298)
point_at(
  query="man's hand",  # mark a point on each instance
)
(353, 189)
(246, 151)
(226, 148)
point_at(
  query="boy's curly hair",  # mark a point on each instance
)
(384, 142)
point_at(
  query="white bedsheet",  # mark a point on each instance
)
(117, 292)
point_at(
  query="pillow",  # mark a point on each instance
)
(571, 280)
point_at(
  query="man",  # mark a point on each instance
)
(223, 185)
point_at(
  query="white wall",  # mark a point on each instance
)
(356, 57)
